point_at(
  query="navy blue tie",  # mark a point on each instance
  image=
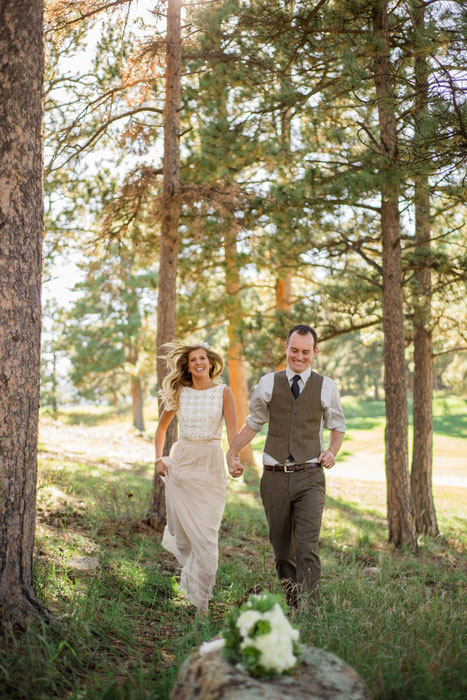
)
(294, 388)
(296, 392)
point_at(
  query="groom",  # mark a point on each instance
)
(296, 403)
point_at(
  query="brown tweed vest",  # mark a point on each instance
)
(294, 424)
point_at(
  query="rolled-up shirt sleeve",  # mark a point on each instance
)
(333, 415)
(259, 402)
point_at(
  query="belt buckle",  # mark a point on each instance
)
(288, 471)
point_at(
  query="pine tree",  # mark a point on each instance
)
(169, 222)
(422, 454)
(21, 215)
(400, 509)
(108, 331)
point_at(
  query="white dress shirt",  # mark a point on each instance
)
(332, 417)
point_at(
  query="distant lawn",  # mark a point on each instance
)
(449, 415)
(368, 416)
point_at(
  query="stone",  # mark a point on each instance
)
(320, 676)
(83, 564)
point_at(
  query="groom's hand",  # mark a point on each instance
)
(234, 464)
(327, 459)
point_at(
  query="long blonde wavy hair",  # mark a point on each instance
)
(178, 376)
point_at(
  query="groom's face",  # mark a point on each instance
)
(300, 350)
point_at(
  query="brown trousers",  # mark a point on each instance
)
(294, 505)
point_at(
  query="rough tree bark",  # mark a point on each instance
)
(235, 358)
(400, 510)
(137, 403)
(283, 294)
(21, 226)
(171, 203)
(137, 397)
(284, 279)
(422, 455)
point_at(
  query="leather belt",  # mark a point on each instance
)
(289, 468)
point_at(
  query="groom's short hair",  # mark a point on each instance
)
(303, 329)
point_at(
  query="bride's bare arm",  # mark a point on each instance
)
(230, 416)
(164, 422)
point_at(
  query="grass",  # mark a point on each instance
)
(449, 415)
(123, 630)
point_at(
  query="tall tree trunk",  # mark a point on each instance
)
(136, 388)
(422, 456)
(235, 358)
(166, 308)
(21, 223)
(400, 511)
(137, 403)
(376, 394)
(283, 304)
(54, 384)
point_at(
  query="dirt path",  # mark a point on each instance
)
(370, 467)
(115, 443)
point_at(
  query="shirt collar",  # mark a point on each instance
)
(304, 376)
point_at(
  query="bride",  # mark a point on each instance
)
(194, 472)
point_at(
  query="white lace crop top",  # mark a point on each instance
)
(200, 413)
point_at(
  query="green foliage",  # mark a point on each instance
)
(280, 161)
(108, 333)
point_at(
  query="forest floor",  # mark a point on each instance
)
(398, 619)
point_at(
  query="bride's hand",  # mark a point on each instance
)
(161, 468)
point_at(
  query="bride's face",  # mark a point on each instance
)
(198, 363)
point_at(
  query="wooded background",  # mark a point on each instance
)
(220, 171)
(243, 166)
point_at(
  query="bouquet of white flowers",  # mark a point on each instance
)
(259, 636)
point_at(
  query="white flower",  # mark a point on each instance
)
(276, 651)
(269, 633)
(276, 646)
(280, 623)
(247, 620)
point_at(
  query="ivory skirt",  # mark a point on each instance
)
(195, 498)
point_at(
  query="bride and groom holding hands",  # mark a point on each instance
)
(296, 403)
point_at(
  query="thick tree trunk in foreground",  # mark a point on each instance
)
(166, 309)
(235, 359)
(21, 225)
(400, 512)
(422, 458)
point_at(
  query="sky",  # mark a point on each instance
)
(64, 274)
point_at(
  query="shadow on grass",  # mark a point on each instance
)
(361, 526)
(451, 425)
(363, 423)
